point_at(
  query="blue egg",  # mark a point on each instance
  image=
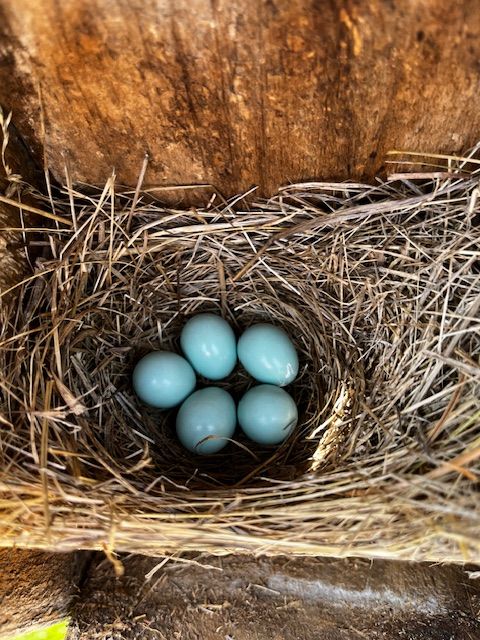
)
(206, 420)
(267, 414)
(210, 346)
(163, 379)
(268, 354)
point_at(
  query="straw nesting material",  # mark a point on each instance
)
(379, 288)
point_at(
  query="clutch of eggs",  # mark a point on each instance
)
(207, 418)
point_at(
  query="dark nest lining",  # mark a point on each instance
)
(378, 287)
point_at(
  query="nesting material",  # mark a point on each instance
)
(379, 288)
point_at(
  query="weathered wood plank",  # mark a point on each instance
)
(239, 93)
(36, 588)
(277, 599)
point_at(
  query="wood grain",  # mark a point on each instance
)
(36, 589)
(253, 92)
(244, 598)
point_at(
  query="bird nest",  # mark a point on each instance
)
(379, 288)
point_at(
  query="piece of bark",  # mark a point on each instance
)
(36, 588)
(235, 94)
(17, 166)
(277, 599)
(13, 264)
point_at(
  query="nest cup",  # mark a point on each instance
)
(378, 288)
(139, 302)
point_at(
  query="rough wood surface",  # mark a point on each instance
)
(36, 588)
(277, 599)
(13, 243)
(12, 254)
(239, 93)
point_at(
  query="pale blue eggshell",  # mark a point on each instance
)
(267, 414)
(210, 346)
(206, 420)
(268, 354)
(163, 379)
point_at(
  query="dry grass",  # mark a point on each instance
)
(379, 287)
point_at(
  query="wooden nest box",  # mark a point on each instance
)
(177, 108)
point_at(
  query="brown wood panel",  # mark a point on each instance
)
(36, 589)
(244, 598)
(237, 597)
(239, 93)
